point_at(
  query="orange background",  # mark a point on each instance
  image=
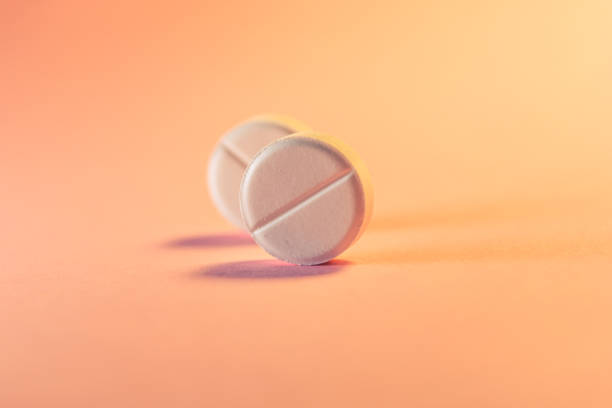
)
(484, 279)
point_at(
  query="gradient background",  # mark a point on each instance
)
(484, 279)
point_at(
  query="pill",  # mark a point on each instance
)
(234, 152)
(306, 198)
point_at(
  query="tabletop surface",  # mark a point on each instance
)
(483, 280)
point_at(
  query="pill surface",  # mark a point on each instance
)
(306, 198)
(234, 152)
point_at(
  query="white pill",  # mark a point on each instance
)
(306, 198)
(234, 152)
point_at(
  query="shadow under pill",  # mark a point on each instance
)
(267, 269)
(229, 239)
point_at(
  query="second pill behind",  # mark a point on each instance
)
(234, 153)
(309, 192)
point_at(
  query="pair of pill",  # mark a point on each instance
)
(304, 197)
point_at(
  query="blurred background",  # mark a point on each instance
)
(486, 126)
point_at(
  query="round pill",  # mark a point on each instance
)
(306, 198)
(234, 152)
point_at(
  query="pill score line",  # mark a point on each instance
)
(303, 200)
(236, 154)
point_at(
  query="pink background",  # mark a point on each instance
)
(484, 279)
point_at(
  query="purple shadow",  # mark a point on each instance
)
(267, 269)
(231, 239)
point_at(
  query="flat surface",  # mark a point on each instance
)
(484, 279)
